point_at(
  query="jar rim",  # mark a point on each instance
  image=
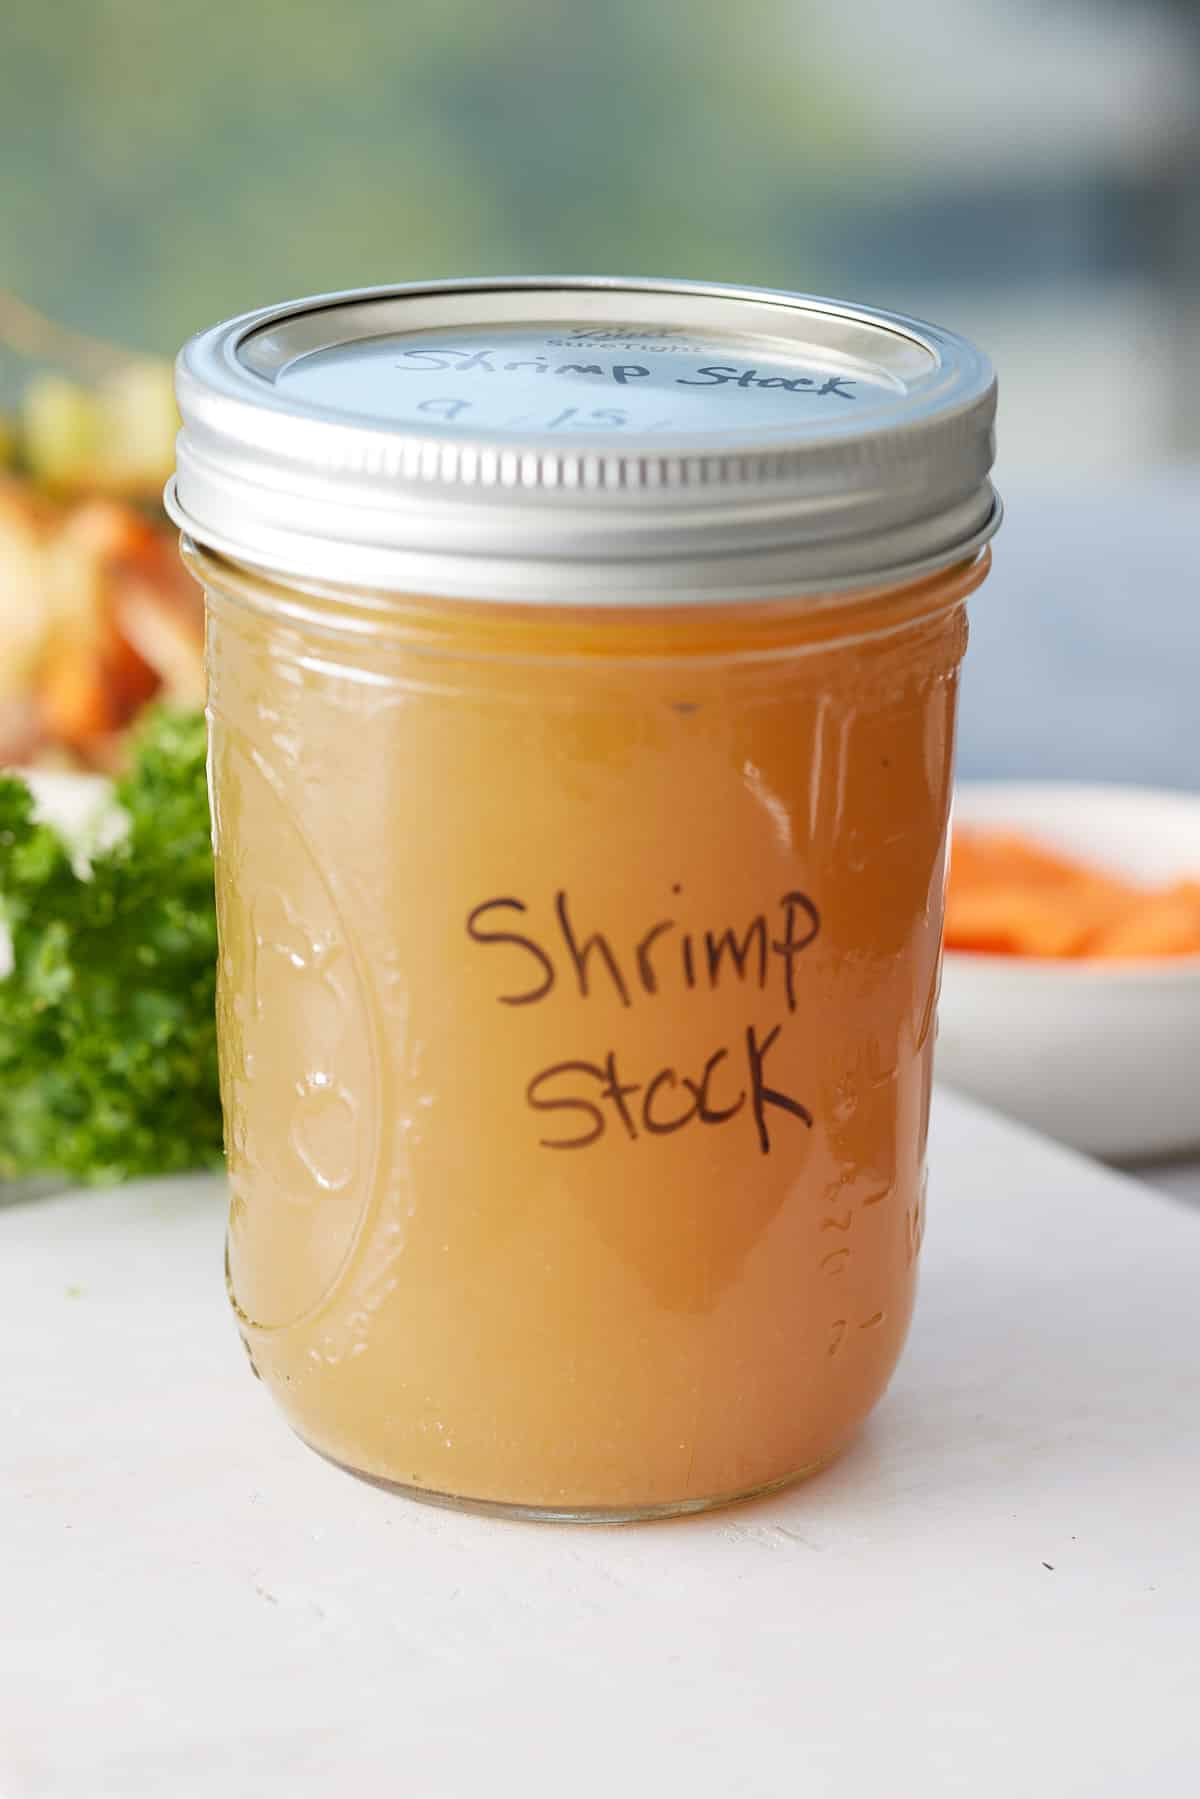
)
(476, 629)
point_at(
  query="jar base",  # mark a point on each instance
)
(583, 1514)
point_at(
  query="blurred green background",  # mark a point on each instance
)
(1025, 170)
(168, 164)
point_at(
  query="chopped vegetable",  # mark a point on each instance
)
(1010, 896)
(97, 617)
(107, 1035)
(114, 437)
(97, 614)
(1166, 923)
(62, 431)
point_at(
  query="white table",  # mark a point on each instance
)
(995, 1594)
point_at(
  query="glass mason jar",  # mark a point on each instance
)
(580, 809)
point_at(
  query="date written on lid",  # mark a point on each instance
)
(578, 378)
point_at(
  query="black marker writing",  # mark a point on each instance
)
(603, 1095)
(543, 1103)
(579, 952)
(716, 375)
(525, 943)
(739, 952)
(444, 409)
(762, 1096)
(706, 1113)
(485, 361)
(645, 944)
(791, 946)
(761, 953)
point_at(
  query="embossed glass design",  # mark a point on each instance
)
(577, 992)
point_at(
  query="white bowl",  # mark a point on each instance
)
(1102, 1055)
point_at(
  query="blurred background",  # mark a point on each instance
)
(1024, 170)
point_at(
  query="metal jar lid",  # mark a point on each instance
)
(585, 440)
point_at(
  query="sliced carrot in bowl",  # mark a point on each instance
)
(1009, 895)
(1162, 924)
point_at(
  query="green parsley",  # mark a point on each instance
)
(108, 1065)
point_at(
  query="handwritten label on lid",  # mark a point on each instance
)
(533, 381)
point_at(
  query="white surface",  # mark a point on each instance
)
(194, 1605)
(1103, 1055)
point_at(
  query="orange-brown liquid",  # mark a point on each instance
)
(578, 978)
